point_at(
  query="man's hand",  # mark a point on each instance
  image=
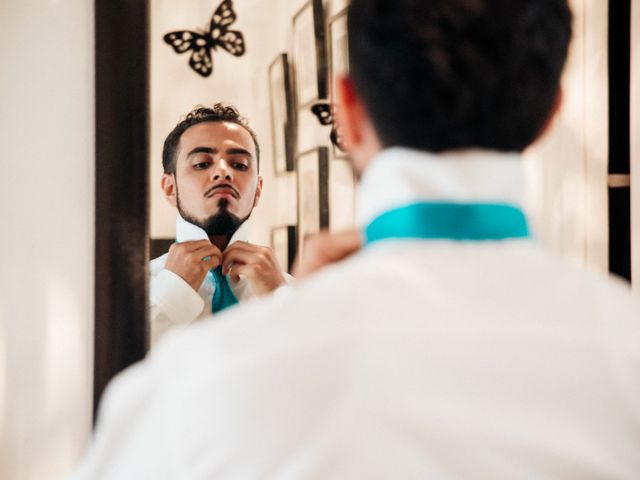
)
(324, 249)
(256, 263)
(192, 260)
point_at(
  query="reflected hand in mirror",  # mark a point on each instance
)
(192, 260)
(256, 263)
(326, 248)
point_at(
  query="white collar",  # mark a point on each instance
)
(186, 231)
(398, 176)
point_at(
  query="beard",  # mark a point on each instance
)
(223, 222)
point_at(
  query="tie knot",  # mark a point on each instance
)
(223, 296)
(217, 272)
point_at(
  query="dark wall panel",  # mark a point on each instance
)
(121, 28)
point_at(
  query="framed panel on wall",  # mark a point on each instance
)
(338, 64)
(313, 193)
(338, 48)
(282, 114)
(342, 194)
(309, 54)
(283, 243)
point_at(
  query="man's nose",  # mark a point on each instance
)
(222, 170)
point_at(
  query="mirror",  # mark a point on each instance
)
(274, 73)
(274, 83)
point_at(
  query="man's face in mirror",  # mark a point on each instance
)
(216, 173)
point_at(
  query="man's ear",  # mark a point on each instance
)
(555, 110)
(258, 192)
(359, 135)
(168, 184)
(347, 114)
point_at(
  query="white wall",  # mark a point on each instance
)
(46, 243)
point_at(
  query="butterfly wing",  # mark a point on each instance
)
(223, 16)
(231, 40)
(201, 61)
(186, 40)
(322, 110)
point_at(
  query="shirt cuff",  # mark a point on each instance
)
(175, 297)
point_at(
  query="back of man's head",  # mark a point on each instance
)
(450, 74)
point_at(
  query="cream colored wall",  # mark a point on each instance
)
(46, 252)
(567, 169)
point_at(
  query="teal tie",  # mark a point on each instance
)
(223, 296)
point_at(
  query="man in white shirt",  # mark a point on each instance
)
(452, 345)
(211, 163)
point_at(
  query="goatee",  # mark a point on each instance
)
(223, 222)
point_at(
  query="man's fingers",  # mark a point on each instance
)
(211, 262)
(192, 260)
(247, 248)
(210, 252)
(195, 251)
(251, 272)
(189, 246)
(246, 254)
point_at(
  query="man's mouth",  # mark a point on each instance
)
(222, 189)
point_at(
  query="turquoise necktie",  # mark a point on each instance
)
(448, 220)
(223, 296)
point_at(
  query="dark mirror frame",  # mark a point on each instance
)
(121, 198)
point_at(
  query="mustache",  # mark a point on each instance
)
(234, 191)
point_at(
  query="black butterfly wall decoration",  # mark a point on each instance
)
(200, 44)
(325, 112)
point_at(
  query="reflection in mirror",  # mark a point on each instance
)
(273, 80)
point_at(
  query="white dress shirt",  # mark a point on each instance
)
(413, 359)
(172, 301)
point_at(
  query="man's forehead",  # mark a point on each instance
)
(219, 135)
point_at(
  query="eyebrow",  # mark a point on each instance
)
(213, 151)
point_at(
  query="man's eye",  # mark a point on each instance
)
(201, 165)
(240, 166)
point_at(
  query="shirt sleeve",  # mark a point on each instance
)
(172, 303)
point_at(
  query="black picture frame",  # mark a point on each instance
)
(282, 114)
(310, 71)
(284, 244)
(313, 193)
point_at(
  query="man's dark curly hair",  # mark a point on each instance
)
(450, 74)
(216, 113)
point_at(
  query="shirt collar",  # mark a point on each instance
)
(186, 231)
(399, 176)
